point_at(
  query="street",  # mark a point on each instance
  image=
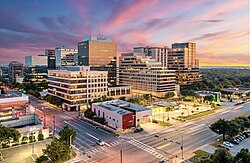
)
(150, 147)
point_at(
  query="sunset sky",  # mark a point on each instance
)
(219, 27)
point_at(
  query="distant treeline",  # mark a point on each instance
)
(217, 79)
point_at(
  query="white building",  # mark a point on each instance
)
(66, 56)
(122, 114)
(32, 61)
(77, 85)
(145, 75)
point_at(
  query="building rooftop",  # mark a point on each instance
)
(206, 93)
(236, 89)
(127, 105)
(114, 108)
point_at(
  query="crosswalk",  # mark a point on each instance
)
(101, 148)
(117, 142)
(148, 149)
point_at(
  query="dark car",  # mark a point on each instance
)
(138, 130)
(234, 142)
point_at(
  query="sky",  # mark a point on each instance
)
(220, 28)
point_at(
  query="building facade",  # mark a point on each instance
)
(15, 71)
(182, 59)
(31, 61)
(122, 114)
(65, 56)
(77, 85)
(4, 72)
(50, 53)
(38, 76)
(100, 54)
(158, 53)
(145, 75)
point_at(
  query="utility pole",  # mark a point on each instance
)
(32, 149)
(54, 126)
(182, 147)
(44, 117)
(121, 155)
(70, 145)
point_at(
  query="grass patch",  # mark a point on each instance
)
(161, 123)
(197, 115)
(201, 154)
(216, 143)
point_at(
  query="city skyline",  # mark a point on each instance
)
(219, 28)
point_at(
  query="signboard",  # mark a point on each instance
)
(95, 38)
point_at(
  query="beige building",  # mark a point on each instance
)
(145, 75)
(77, 85)
(182, 59)
(100, 53)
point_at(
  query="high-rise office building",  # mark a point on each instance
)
(31, 61)
(158, 53)
(50, 53)
(100, 54)
(182, 59)
(15, 71)
(64, 56)
(38, 76)
(77, 85)
(145, 75)
(4, 72)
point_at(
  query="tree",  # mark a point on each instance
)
(221, 155)
(233, 128)
(220, 127)
(32, 138)
(242, 157)
(6, 133)
(30, 91)
(40, 137)
(134, 100)
(169, 95)
(57, 151)
(65, 135)
(37, 94)
(123, 98)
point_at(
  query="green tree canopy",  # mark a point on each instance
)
(242, 157)
(6, 133)
(57, 151)
(65, 135)
(220, 127)
(222, 155)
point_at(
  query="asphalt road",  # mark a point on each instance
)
(195, 133)
(147, 148)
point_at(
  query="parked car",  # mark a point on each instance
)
(233, 141)
(138, 130)
(228, 144)
(100, 142)
(247, 134)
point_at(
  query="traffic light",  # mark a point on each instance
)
(181, 147)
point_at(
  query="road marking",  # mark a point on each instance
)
(225, 112)
(92, 136)
(163, 146)
(202, 130)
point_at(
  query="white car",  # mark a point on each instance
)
(100, 142)
(226, 143)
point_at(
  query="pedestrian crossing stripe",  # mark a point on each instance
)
(147, 148)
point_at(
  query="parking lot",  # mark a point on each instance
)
(243, 144)
(23, 153)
